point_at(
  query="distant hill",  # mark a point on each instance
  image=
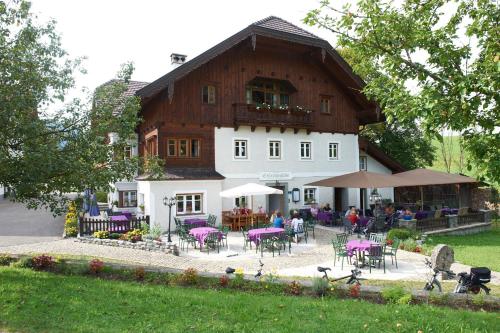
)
(452, 144)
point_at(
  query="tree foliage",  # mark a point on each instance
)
(45, 154)
(439, 59)
(405, 143)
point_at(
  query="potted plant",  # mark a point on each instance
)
(141, 208)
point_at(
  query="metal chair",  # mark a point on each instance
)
(393, 250)
(376, 254)
(340, 252)
(347, 225)
(246, 239)
(213, 239)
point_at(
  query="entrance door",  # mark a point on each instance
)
(338, 199)
(277, 201)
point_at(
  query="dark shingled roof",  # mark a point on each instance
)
(278, 24)
(272, 27)
(186, 174)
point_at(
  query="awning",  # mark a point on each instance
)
(249, 189)
(361, 179)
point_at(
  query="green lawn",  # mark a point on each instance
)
(43, 302)
(481, 249)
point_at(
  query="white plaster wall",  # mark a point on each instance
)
(155, 191)
(239, 172)
(376, 166)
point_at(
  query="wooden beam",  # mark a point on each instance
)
(268, 129)
(282, 130)
(308, 131)
(252, 128)
(295, 130)
(236, 127)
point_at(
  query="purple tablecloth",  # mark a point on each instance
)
(363, 221)
(325, 216)
(118, 218)
(201, 233)
(358, 244)
(196, 222)
(255, 234)
(449, 211)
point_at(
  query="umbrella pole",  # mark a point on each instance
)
(421, 198)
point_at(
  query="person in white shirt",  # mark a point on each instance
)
(298, 226)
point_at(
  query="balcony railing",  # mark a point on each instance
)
(249, 114)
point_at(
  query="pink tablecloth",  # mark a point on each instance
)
(201, 233)
(196, 222)
(255, 234)
(118, 218)
(358, 244)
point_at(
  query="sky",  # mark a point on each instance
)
(111, 32)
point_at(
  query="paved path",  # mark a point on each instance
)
(19, 225)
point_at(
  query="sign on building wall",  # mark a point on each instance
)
(275, 176)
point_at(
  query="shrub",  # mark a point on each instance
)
(294, 288)
(139, 273)
(6, 259)
(155, 231)
(24, 262)
(224, 281)
(96, 266)
(144, 228)
(394, 294)
(71, 231)
(43, 262)
(101, 196)
(354, 290)
(238, 280)
(134, 235)
(409, 245)
(189, 277)
(71, 221)
(400, 233)
(101, 234)
(114, 235)
(319, 286)
(405, 299)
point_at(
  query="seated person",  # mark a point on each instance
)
(327, 208)
(278, 221)
(407, 215)
(297, 225)
(353, 216)
(314, 210)
(391, 217)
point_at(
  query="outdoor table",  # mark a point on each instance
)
(196, 222)
(326, 217)
(201, 234)
(360, 245)
(118, 223)
(255, 234)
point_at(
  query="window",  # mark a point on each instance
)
(127, 199)
(172, 147)
(195, 148)
(305, 150)
(240, 202)
(275, 150)
(189, 203)
(325, 105)
(363, 163)
(184, 148)
(333, 151)
(152, 146)
(309, 195)
(240, 149)
(208, 95)
(272, 92)
(127, 152)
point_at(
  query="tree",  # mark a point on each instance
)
(439, 59)
(45, 154)
(404, 143)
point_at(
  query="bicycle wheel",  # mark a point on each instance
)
(477, 289)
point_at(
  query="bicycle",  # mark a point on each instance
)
(353, 278)
(433, 279)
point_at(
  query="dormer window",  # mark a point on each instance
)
(275, 93)
(208, 94)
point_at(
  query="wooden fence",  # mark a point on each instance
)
(87, 226)
(432, 223)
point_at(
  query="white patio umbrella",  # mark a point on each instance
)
(249, 189)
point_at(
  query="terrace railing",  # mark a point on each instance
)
(432, 223)
(87, 226)
(470, 218)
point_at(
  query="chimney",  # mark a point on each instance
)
(177, 59)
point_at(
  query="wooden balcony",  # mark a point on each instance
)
(248, 114)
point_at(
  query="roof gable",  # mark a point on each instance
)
(273, 27)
